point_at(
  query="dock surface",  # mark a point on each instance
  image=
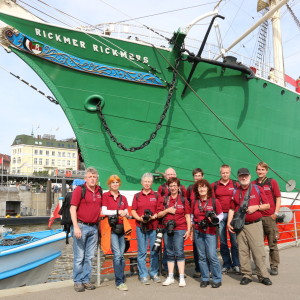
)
(285, 286)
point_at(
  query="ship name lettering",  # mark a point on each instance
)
(115, 52)
(123, 54)
(59, 38)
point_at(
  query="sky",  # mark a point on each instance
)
(24, 111)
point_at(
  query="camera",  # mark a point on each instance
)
(113, 220)
(147, 215)
(214, 220)
(203, 224)
(158, 240)
(170, 227)
(146, 218)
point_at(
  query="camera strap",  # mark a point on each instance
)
(119, 204)
(244, 204)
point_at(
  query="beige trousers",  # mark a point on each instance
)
(251, 238)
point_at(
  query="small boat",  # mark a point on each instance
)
(28, 258)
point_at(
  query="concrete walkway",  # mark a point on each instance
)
(286, 286)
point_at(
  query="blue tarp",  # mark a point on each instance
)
(78, 182)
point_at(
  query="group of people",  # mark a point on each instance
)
(177, 213)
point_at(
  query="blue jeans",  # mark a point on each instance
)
(206, 246)
(232, 260)
(84, 251)
(118, 248)
(174, 245)
(143, 239)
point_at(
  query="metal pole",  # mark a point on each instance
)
(295, 228)
(98, 265)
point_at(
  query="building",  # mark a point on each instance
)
(4, 163)
(31, 155)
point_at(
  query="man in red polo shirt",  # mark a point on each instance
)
(144, 210)
(272, 191)
(251, 237)
(85, 214)
(223, 191)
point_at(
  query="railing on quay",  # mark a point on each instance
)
(288, 236)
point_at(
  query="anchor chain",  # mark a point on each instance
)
(158, 125)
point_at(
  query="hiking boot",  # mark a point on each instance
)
(89, 286)
(274, 271)
(156, 279)
(78, 287)
(168, 281)
(122, 287)
(145, 281)
(236, 270)
(225, 270)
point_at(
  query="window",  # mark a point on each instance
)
(73, 155)
(68, 163)
(53, 153)
(63, 163)
(35, 161)
(36, 152)
(59, 154)
(58, 162)
(19, 160)
(41, 152)
(69, 154)
(14, 160)
(53, 162)
(40, 161)
(47, 153)
(47, 162)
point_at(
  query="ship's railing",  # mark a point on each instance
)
(158, 37)
(288, 236)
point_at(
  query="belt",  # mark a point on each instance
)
(247, 223)
(88, 224)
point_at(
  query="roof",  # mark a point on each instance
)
(24, 139)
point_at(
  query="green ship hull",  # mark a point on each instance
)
(262, 114)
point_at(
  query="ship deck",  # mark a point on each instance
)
(286, 284)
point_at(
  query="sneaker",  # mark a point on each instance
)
(78, 287)
(156, 279)
(122, 287)
(225, 270)
(168, 281)
(182, 283)
(89, 286)
(145, 281)
(197, 275)
(274, 271)
(236, 270)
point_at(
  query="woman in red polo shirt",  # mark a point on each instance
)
(207, 212)
(175, 211)
(114, 205)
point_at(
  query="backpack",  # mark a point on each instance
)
(137, 195)
(267, 181)
(64, 211)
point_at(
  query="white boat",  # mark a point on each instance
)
(28, 258)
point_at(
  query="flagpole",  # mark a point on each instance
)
(2, 171)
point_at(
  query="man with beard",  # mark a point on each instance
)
(251, 237)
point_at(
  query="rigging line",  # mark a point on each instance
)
(89, 35)
(162, 13)
(216, 6)
(217, 117)
(50, 98)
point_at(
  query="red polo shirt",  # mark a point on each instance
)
(199, 214)
(88, 208)
(223, 193)
(141, 202)
(181, 211)
(109, 201)
(272, 193)
(255, 199)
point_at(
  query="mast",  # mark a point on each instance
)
(277, 45)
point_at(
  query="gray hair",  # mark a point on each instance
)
(147, 175)
(91, 170)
